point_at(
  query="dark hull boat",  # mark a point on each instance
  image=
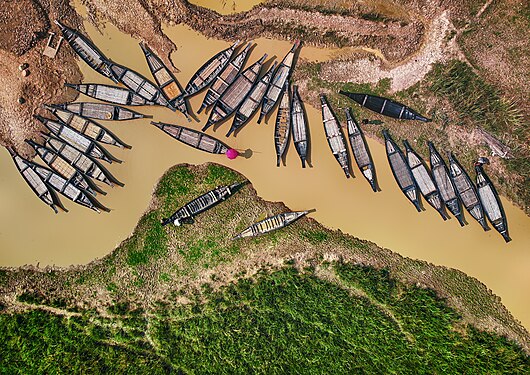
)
(401, 171)
(88, 127)
(491, 203)
(424, 181)
(252, 101)
(193, 138)
(334, 135)
(360, 150)
(100, 111)
(76, 139)
(385, 106)
(466, 191)
(445, 186)
(200, 204)
(299, 126)
(234, 94)
(109, 94)
(283, 124)
(225, 79)
(270, 224)
(88, 52)
(281, 75)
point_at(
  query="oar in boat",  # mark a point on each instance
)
(283, 124)
(299, 126)
(271, 223)
(110, 94)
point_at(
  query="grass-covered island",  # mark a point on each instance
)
(301, 300)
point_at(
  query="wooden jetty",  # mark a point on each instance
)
(299, 126)
(234, 95)
(88, 127)
(76, 139)
(88, 52)
(186, 213)
(491, 202)
(360, 150)
(109, 94)
(277, 83)
(443, 182)
(100, 111)
(253, 100)
(270, 224)
(384, 106)
(334, 136)
(401, 170)
(424, 180)
(283, 124)
(466, 191)
(193, 138)
(225, 79)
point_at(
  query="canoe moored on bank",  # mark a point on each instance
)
(100, 111)
(109, 94)
(282, 126)
(334, 136)
(299, 129)
(270, 224)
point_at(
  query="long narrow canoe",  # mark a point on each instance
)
(334, 136)
(84, 163)
(165, 80)
(299, 126)
(44, 192)
(466, 191)
(234, 95)
(283, 124)
(384, 106)
(278, 82)
(109, 94)
(491, 202)
(193, 138)
(88, 52)
(253, 100)
(100, 111)
(88, 127)
(360, 150)
(225, 79)
(401, 171)
(271, 223)
(424, 180)
(76, 139)
(443, 182)
(186, 213)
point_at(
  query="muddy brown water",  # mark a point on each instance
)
(30, 233)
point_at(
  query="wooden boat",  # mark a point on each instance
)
(360, 150)
(76, 139)
(443, 182)
(193, 138)
(252, 101)
(186, 213)
(165, 80)
(88, 52)
(88, 127)
(466, 191)
(234, 95)
(278, 82)
(224, 79)
(401, 170)
(110, 94)
(44, 192)
(423, 179)
(100, 111)
(283, 124)
(334, 135)
(299, 126)
(491, 202)
(271, 223)
(385, 106)
(65, 169)
(84, 163)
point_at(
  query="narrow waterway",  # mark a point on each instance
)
(31, 234)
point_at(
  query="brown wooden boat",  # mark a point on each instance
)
(334, 135)
(299, 126)
(100, 111)
(110, 94)
(271, 223)
(283, 124)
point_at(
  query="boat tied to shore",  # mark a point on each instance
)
(360, 150)
(282, 126)
(100, 111)
(334, 136)
(299, 129)
(109, 94)
(270, 224)
(186, 213)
